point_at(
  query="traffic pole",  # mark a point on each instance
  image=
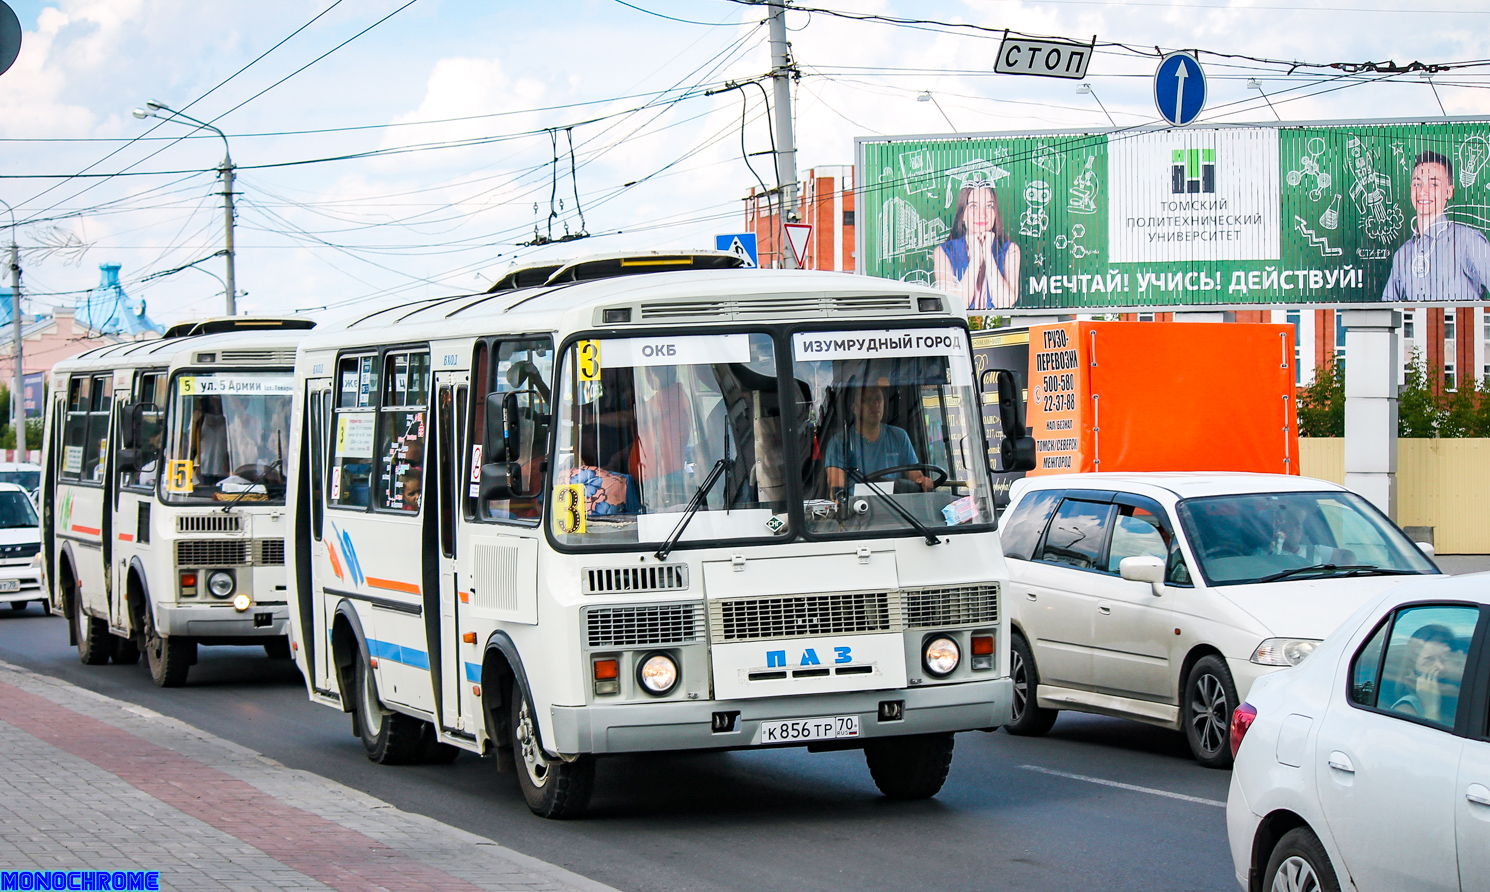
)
(782, 71)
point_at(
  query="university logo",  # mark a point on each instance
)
(1192, 171)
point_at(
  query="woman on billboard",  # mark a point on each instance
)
(978, 262)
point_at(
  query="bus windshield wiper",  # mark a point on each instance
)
(1352, 569)
(694, 504)
(918, 526)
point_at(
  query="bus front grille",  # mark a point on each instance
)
(655, 578)
(803, 616)
(209, 523)
(954, 605)
(271, 552)
(650, 626)
(212, 552)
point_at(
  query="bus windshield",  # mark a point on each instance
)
(227, 437)
(881, 441)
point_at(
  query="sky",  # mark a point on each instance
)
(400, 149)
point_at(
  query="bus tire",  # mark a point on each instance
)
(433, 751)
(390, 738)
(126, 651)
(95, 643)
(911, 767)
(553, 788)
(169, 656)
(277, 648)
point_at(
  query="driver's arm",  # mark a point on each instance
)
(836, 478)
(920, 480)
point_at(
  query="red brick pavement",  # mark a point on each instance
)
(341, 858)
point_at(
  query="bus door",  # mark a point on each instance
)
(81, 499)
(500, 539)
(315, 623)
(374, 513)
(140, 432)
(445, 485)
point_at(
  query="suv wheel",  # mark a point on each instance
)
(1029, 719)
(1206, 707)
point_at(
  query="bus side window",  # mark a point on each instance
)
(316, 434)
(150, 391)
(401, 423)
(524, 367)
(75, 433)
(352, 431)
(480, 381)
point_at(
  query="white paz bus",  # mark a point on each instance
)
(163, 518)
(706, 509)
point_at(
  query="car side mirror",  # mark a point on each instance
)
(1426, 548)
(1017, 451)
(1143, 568)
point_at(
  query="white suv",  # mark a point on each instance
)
(1162, 597)
(20, 549)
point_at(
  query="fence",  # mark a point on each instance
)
(1441, 483)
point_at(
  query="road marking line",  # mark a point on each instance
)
(1136, 789)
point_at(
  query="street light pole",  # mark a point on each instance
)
(155, 109)
(18, 380)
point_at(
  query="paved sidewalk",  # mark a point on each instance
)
(88, 782)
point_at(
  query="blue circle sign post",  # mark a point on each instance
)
(1179, 88)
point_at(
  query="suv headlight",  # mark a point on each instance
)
(1283, 651)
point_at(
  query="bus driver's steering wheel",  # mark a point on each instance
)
(938, 474)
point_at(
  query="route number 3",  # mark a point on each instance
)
(569, 508)
(589, 360)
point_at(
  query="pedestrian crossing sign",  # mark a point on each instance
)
(741, 243)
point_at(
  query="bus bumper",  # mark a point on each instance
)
(206, 621)
(688, 724)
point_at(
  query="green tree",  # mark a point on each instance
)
(1421, 411)
(1322, 403)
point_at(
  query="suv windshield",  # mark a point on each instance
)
(226, 437)
(1266, 537)
(16, 510)
(885, 437)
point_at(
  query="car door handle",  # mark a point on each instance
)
(1104, 608)
(1479, 794)
(1341, 762)
(1032, 596)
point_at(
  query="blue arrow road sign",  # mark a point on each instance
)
(742, 243)
(1179, 88)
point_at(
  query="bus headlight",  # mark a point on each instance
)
(942, 656)
(658, 674)
(220, 583)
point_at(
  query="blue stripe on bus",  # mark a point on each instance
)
(473, 672)
(387, 650)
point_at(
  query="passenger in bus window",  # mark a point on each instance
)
(413, 485)
(870, 445)
(210, 436)
(663, 423)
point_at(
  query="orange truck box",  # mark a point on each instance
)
(1151, 396)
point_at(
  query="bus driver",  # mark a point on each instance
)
(871, 445)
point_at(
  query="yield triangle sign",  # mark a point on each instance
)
(797, 236)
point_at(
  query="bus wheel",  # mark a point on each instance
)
(554, 788)
(126, 651)
(95, 644)
(913, 767)
(390, 738)
(170, 657)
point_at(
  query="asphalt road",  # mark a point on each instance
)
(777, 819)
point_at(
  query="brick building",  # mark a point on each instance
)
(825, 199)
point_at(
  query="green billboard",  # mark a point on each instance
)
(1344, 213)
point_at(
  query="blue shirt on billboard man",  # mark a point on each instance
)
(1443, 260)
(871, 445)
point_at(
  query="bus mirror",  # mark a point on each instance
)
(1017, 451)
(129, 427)
(496, 480)
(127, 461)
(495, 433)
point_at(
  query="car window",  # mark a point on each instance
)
(1421, 667)
(1021, 526)
(1078, 534)
(1136, 532)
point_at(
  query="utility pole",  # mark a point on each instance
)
(17, 387)
(231, 286)
(782, 70)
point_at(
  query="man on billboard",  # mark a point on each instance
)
(1444, 260)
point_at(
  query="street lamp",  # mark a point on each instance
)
(17, 399)
(160, 110)
(1086, 90)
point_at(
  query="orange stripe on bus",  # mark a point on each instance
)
(126, 537)
(86, 531)
(393, 585)
(465, 597)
